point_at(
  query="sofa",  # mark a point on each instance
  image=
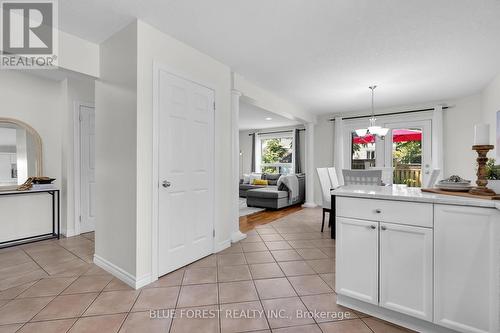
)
(271, 196)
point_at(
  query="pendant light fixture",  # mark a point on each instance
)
(373, 129)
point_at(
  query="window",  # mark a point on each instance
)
(362, 151)
(276, 154)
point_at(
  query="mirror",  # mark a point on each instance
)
(20, 152)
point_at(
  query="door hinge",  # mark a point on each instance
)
(213, 233)
(214, 106)
(80, 218)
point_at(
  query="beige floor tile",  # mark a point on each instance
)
(309, 285)
(170, 280)
(302, 244)
(17, 270)
(88, 284)
(234, 248)
(110, 302)
(101, 324)
(265, 271)
(251, 239)
(209, 261)
(22, 310)
(233, 273)
(13, 292)
(53, 326)
(116, 284)
(271, 238)
(196, 320)
(237, 292)
(292, 268)
(329, 278)
(311, 254)
(157, 298)
(327, 303)
(266, 231)
(259, 257)
(19, 280)
(345, 326)
(232, 319)
(48, 287)
(279, 245)
(321, 266)
(286, 255)
(274, 288)
(66, 306)
(299, 329)
(380, 326)
(96, 270)
(231, 259)
(200, 275)
(254, 247)
(197, 295)
(291, 308)
(10, 328)
(141, 322)
(14, 257)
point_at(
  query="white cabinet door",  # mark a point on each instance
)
(357, 259)
(406, 269)
(467, 266)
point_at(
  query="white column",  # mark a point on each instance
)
(310, 171)
(236, 234)
(338, 143)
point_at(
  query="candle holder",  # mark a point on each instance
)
(481, 189)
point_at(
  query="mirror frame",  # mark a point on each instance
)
(36, 137)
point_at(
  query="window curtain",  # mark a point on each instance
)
(252, 167)
(296, 153)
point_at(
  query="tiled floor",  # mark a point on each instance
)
(282, 270)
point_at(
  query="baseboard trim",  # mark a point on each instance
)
(238, 236)
(121, 274)
(222, 245)
(309, 205)
(69, 233)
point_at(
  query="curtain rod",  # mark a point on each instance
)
(391, 114)
(277, 132)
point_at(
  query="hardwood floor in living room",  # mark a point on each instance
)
(249, 222)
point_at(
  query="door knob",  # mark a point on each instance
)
(383, 228)
(373, 227)
(378, 211)
(166, 184)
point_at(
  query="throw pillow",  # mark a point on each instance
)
(254, 176)
(246, 178)
(260, 182)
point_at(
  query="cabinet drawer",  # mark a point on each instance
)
(400, 212)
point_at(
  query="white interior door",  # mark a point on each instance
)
(185, 172)
(87, 169)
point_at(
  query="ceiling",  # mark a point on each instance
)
(253, 117)
(323, 54)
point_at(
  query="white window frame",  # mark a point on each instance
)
(258, 150)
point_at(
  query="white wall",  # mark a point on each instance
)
(39, 103)
(459, 158)
(74, 90)
(78, 55)
(116, 152)
(266, 100)
(323, 152)
(490, 105)
(154, 45)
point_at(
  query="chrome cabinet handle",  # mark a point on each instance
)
(373, 227)
(383, 228)
(166, 184)
(378, 211)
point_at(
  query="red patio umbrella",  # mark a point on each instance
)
(398, 135)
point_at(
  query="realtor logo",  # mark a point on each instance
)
(29, 34)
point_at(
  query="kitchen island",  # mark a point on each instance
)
(424, 261)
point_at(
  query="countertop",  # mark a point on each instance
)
(403, 193)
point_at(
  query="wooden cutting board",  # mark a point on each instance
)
(460, 194)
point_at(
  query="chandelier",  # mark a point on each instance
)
(373, 129)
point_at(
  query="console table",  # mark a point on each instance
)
(22, 216)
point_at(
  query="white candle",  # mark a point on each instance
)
(481, 134)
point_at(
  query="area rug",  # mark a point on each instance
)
(244, 210)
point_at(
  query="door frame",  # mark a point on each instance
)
(77, 164)
(155, 184)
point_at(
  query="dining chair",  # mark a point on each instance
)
(433, 178)
(362, 177)
(387, 174)
(333, 177)
(326, 186)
